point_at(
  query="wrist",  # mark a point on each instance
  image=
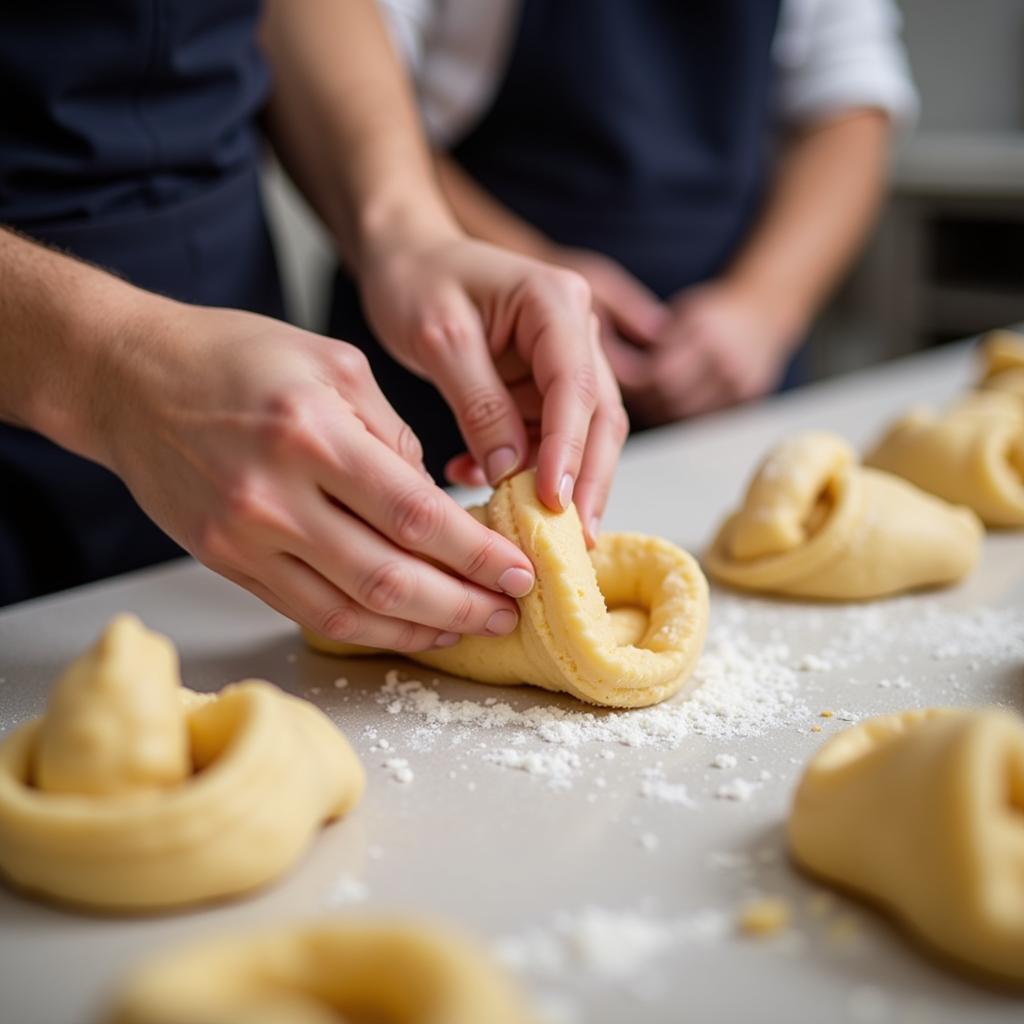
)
(389, 222)
(100, 327)
(783, 312)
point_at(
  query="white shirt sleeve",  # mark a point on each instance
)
(456, 52)
(835, 55)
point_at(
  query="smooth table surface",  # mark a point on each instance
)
(612, 874)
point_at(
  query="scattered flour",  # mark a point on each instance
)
(602, 944)
(655, 786)
(558, 766)
(740, 688)
(740, 790)
(399, 769)
(347, 890)
(724, 761)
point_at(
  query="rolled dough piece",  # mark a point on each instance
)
(1002, 354)
(638, 654)
(922, 813)
(815, 524)
(973, 455)
(351, 970)
(133, 793)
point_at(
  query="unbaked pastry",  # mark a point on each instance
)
(972, 455)
(1002, 354)
(923, 813)
(352, 970)
(639, 653)
(815, 524)
(134, 793)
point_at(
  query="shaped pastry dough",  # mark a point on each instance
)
(973, 455)
(923, 813)
(347, 970)
(133, 793)
(638, 654)
(815, 524)
(1002, 354)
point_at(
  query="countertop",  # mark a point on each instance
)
(605, 855)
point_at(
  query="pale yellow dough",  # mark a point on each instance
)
(133, 793)
(815, 524)
(345, 970)
(972, 455)
(923, 813)
(1002, 354)
(639, 653)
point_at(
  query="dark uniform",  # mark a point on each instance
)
(128, 137)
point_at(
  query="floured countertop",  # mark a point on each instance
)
(608, 858)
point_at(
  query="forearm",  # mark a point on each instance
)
(822, 202)
(483, 216)
(344, 124)
(63, 322)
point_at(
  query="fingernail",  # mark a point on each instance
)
(595, 527)
(501, 622)
(516, 582)
(565, 490)
(500, 463)
(447, 640)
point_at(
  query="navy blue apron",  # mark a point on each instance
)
(640, 129)
(129, 138)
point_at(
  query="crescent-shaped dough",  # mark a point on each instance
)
(815, 524)
(1002, 354)
(923, 813)
(346, 970)
(973, 455)
(639, 654)
(133, 793)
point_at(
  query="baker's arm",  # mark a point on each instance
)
(251, 443)
(452, 309)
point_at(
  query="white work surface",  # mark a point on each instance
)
(616, 892)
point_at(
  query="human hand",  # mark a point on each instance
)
(719, 347)
(513, 346)
(271, 455)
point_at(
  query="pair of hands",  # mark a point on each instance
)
(271, 455)
(710, 346)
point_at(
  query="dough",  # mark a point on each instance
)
(1002, 354)
(133, 793)
(638, 654)
(351, 970)
(973, 455)
(815, 524)
(923, 813)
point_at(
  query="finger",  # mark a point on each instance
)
(565, 353)
(455, 352)
(608, 432)
(301, 594)
(634, 309)
(630, 364)
(357, 385)
(392, 583)
(464, 471)
(418, 516)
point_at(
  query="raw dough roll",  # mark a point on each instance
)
(638, 654)
(973, 455)
(815, 524)
(133, 793)
(1002, 354)
(351, 970)
(923, 813)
